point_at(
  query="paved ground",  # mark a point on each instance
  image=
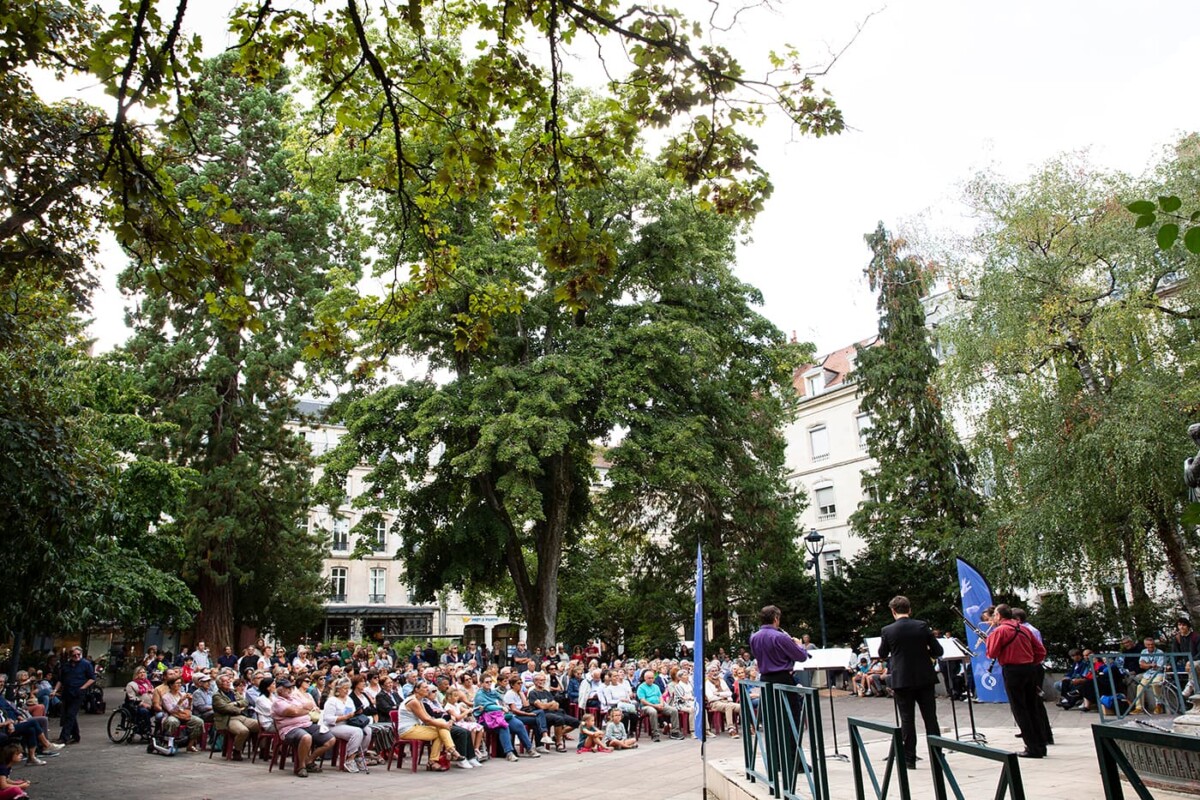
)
(96, 769)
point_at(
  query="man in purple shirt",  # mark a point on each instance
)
(776, 654)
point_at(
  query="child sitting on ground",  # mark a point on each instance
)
(591, 738)
(615, 734)
(10, 756)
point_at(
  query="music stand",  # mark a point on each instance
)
(827, 659)
(954, 650)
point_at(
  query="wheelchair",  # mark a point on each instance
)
(129, 720)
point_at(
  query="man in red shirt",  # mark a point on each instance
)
(1020, 655)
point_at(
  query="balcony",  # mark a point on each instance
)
(377, 598)
(337, 598)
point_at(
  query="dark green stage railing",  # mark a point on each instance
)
(773, 739)
(1164, 686)
(1113, 761)
(1010, 775)
(861, 762)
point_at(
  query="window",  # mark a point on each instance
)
(378, 586)
(337, 584)
(814, 383)
(341, 535)
(379, 536)
(831, 562)
(826, 508)
(818, 440)
(864, 425)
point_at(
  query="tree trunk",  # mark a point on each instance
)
(1180, 562)
(214, 623)
(1133, 568)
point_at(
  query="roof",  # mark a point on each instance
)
(837, 366)
(377, 611)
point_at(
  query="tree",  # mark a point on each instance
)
(919, 500)
(82, 511)
(378, 90)
(225, 378)
(1077, 344)
(490, 469)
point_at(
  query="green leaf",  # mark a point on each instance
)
(1191, 240)
(1167, 235)
(1195, 216)
(1191, 515)
(1144, 221)
(1141, 207)
(1169, 204)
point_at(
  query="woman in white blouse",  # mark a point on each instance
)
(262, 704)
(719, 697)
(339, 710)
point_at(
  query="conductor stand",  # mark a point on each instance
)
(814, 543)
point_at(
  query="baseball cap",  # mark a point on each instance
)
(284, 683)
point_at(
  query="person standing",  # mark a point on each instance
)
(1020, 655)
(912, 648)
(75, 677)
(200, 657)
(776, 653)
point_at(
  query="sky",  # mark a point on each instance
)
(933, 91)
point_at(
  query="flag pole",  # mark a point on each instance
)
(698, 721)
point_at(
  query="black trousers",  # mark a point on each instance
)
(1020, 682)
(907, 701)
(1039, 706)
(70, 713)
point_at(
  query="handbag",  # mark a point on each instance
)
(493, 720)
(359, 721)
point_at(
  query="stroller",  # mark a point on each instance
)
(93, 698)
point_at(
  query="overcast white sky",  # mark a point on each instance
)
(934, 90)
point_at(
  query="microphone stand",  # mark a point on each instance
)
(975, 736)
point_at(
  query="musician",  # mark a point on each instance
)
(1020, 655)
(912, 648)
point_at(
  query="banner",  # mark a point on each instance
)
(976, 596)
(698, 650)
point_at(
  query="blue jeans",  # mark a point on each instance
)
(517, 728)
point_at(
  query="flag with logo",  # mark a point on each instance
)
(976, 596)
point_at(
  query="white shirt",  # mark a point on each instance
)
(200, 659)
(336, 707)
(513, 698)
(714, 693)
(262, 709)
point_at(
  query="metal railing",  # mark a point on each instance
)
(1165, 687)
(773, 739)
(861, 762)
(1010, 775)
(1114, 761)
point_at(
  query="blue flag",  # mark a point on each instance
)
(698, 650)
(976, 596)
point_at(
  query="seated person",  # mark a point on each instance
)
(877, 679)
(534, 718)
(591, 738)
(858, 681)
(654, 706)
(295, 722)
(544, 699)
(615, 734)
(11, 788)
(202, 697)
(230, 708)
(1077, 674)
(1153, 666)
(177, 705)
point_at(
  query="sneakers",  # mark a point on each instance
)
(57, 746)
(676, 735)
(532, 754)
(511, 756)
(481, 756)
(474, 762)
(463, 764)
(301, 773)
(34, 761)
(361, 763)
(584, 749)
(350, 766)
(547, 739)
(544, 749)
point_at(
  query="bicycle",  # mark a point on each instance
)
(1168, 695)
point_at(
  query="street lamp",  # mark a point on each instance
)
(814, 543)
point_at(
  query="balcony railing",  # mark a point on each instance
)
(337, 598)
(377, 598)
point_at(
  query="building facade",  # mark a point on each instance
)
(367, 599)
(827, 452)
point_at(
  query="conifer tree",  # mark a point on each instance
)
(920, 497)
(225, 376)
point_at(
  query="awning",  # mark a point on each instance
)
(379, 611)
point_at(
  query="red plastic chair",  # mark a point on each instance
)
(415, 746)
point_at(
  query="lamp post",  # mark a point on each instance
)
(814, 543)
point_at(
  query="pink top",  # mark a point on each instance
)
(285, 724)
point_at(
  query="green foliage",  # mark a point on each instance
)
(224, 375)
(1098, 626)
(920, 499)
(1077, 342)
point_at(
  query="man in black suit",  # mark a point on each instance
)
(912, 648)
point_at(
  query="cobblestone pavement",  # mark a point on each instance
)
(96, 769)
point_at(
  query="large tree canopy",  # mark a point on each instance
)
(1077, 345)
(491, 468)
